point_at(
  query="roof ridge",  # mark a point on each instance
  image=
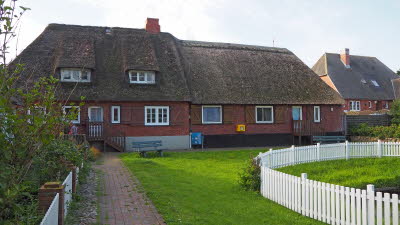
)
(224, 45)
(351, 55)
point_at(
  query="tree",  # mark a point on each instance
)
(398, 72)
(31, 120)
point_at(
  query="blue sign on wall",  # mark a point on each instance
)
(197, 138)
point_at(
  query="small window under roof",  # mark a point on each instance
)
(375, 83)
(363, 81)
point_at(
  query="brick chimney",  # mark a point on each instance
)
(345, 57)
(152, 25)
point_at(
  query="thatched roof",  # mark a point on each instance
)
(200, 72)
(356, 82)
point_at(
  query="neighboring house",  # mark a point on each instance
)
(364, 82)
(144, 84)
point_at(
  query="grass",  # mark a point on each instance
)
(202, 188)
(357, 173)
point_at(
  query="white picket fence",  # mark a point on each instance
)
(52, 213)
(51, 216)
(329, 203)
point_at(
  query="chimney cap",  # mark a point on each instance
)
(152, 25)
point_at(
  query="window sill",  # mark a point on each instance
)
(156, 125)
(261, 122)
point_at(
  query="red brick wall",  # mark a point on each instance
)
(364, 104)
(331, 120)
(132, 118)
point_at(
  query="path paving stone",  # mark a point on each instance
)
(122, 203)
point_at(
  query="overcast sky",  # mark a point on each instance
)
(306, 27)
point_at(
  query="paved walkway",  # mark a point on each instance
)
(121, 202)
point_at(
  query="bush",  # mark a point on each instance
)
(250, 176)
(95, 153)
(53, 161)
(395, 112)
(381, 132)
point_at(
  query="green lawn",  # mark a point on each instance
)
(201, 188)
(382, 172)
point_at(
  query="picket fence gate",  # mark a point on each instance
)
(329, 203)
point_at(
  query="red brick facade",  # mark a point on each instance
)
(132, 120)
(331, 121)
(365, 105)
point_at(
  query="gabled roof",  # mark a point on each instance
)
(200, 72)
(357, 82)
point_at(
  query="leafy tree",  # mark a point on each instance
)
(398, 72)
(395, 111)
(31, 121)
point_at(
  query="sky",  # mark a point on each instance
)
(308, 28)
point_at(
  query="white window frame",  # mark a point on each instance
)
(72, 78)
(386, 104)
(353, 106)
(79, 113)
(317, 120)
(369, 104)
(301, 112)
(265, 107)
(113, 116)
(133, 73)
(211, 106)
(157, 108)
(96, 107)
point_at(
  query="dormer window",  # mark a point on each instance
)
(75, 75)
(142, 77)
(375, 83)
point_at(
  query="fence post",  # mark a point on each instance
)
(292, 154)
(379, 143)
(46, 194)
(303, 193)
(347, 150)
(318, 152)
(371, 204)
(73, 170)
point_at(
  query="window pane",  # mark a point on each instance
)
(66, 75)
(212, 114)
(116, 114)
(141, 76)
(153, 115)
(75, 74)
(165, 115)
(296, 113)
(85, 75)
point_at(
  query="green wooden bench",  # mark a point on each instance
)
(148, 146)
(329, 139)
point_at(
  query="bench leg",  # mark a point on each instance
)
(161, 153)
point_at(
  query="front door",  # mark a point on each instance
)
(95, 114)
(297, 113)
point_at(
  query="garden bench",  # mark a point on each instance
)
(148, 146)
(328, 139)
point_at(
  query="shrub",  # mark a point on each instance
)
(381, 132)
(250, 176)
(395, 111)
(95, 153)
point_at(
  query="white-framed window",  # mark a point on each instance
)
(354, 105)
(211, 114)
(68, 109)
(369, 104)
(375, 83)
(317, 114)
(156, 115)
(142, 77)
(75, 75)
(264, 114)
(386, 104)
(115, 114)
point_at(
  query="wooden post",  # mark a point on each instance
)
(73, 170)
(347, 150)
(371, 204)
(46, 194)
(303, 193)
(379, 143)
(318, 152)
